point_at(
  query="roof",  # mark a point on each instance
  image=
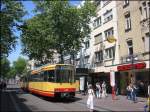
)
(47, 67)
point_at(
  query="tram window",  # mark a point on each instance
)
(58, 76)
(51, 76)
(45, 76)
(65, 76)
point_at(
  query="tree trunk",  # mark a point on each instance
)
(73, 58)
(61, 58)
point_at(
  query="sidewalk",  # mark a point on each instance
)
(120, 104)
(9, 101)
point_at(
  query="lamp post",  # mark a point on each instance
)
(132, 60)
(112, 39)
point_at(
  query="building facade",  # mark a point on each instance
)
(133, 44)
(99, 54)
(126, 23)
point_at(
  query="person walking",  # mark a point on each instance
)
(129, 92)
(98, 90)
(104, 94)
(90, 102)
(147, 106)
(116, 90)
(133, 93)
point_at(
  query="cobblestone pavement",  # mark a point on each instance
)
(14, 99)
(120, 104)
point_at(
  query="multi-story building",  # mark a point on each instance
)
(99, 53)
(127, 22)
(133, 33)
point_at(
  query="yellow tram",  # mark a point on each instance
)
(57, 80)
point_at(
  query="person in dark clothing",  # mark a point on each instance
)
(134, 93)
(129, 92)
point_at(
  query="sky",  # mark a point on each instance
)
(29, 6)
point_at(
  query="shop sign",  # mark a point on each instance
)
(131, 66)
(111, 39)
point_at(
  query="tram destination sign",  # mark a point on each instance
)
(64, 67)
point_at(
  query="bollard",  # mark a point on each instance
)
(113, 93)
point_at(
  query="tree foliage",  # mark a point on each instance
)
(58, 26)
(11, 12)
(19, 65)
(36, 43)
(5, 67)
(11, 73)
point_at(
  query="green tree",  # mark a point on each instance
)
(36, 44)
(19, 65)
(5, 67)
(11, 13)
(62, 28)
(12, 72)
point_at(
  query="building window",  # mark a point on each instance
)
(98, 38)
(108, 16)
(147, 42)
(87, 44)
(97, 22)
(105, 2)
(128, 22)
(109, 32)
(86, 59)
(98, 2)
(145, 12)
(146, 9)
(140, 10)
(78, 62)
(125, 3)
(130, 47)
(110, 53)
(99, 56)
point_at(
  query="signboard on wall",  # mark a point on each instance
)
(131, 66)
(112, 78)
(111, 39)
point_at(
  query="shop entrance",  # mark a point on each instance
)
(100, 77)
(142, 81)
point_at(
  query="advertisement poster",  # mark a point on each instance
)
(82, 79)
(112, 78)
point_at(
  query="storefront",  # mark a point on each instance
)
(82, 76)
(100, 77)
(136, 73)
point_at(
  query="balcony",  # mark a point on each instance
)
(132, 58)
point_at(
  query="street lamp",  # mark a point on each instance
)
(132, 59)
(111, 39)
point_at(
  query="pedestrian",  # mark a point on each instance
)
(116, 90)
(98, 90)
(1, 86)
(134, 93)
(129, 92)
(90, 102)
(104, 93)
(148, 92)
(147, 106)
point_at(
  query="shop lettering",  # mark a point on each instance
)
(131, 66)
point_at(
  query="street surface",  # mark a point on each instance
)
(14, 99)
